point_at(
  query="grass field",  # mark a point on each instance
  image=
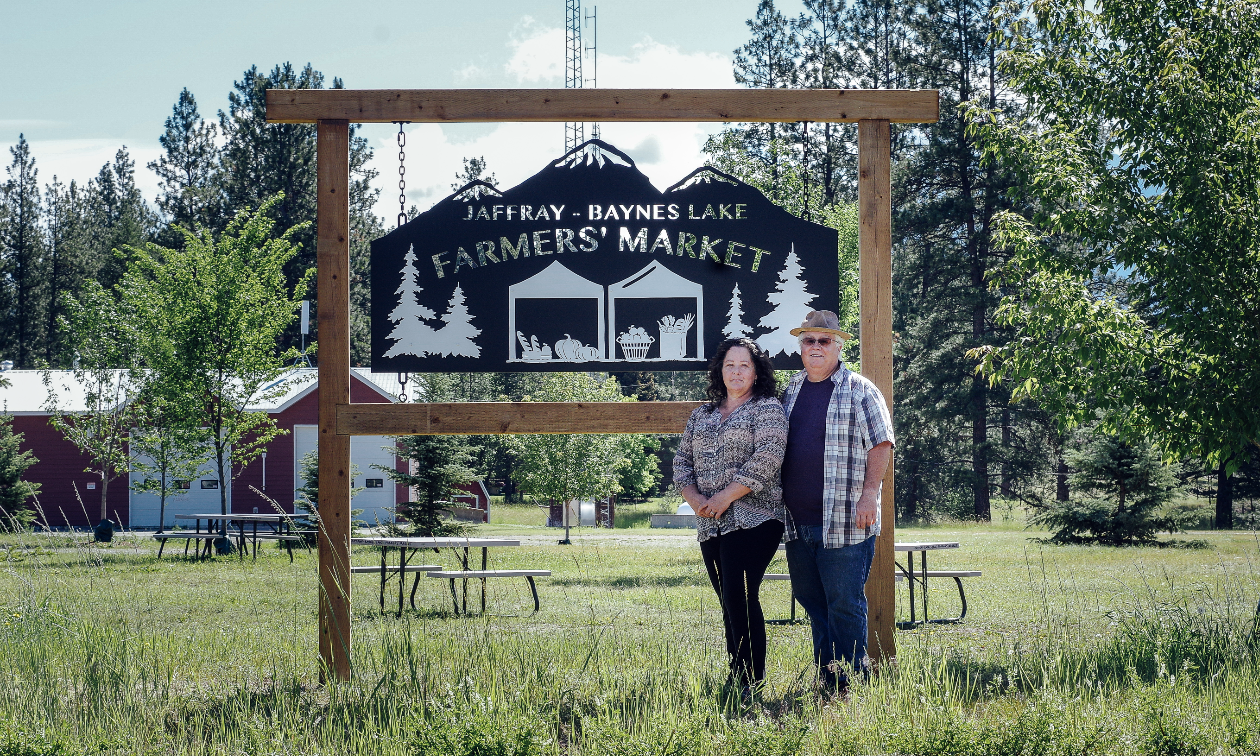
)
(1065, 650)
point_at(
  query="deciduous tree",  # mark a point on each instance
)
(1135, 283)
(221, 305)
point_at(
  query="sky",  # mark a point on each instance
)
(82, 79)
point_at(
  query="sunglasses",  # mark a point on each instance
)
(823, 342)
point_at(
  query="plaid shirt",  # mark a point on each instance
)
(857, 421)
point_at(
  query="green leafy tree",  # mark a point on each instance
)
(261, 160)
(1122, 490)
(1135, 284)
(641, 474)
(101, 332)
(15, 493)
(214, 312)
(167, 444)
(568, 467)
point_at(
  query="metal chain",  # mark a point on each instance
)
(805, 173)
(402, 218)
(402, 174)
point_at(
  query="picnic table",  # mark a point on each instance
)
(279, 527)
(407, 547)
(908, 573)
(921, 576)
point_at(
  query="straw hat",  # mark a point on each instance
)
(822, 320)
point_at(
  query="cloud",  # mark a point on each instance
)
(652, 64)
(468, 72)
(81, 160)
(646, 152)
(537, 53)
(665, 152)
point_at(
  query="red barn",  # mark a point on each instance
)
(68, 495)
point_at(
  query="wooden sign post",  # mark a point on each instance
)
(334, 109)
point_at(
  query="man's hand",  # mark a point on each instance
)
(866, 511)
(868, 504)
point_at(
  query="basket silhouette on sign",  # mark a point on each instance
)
(635, 343)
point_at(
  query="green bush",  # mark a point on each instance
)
(1120, 492)
(21, 740)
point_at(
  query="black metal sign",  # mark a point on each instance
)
(587, 266)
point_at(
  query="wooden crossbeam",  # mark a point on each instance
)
(559, 105)
(493, 418)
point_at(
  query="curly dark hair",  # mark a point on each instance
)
(765, 385)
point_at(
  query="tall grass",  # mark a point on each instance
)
(104, 650)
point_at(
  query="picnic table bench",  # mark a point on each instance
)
(460, 546)
(454, 575)
(910, 574)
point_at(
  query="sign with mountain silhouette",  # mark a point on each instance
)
(587, 266)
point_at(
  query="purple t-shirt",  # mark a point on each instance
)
(803, 457)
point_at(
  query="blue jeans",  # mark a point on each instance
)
(831, 585)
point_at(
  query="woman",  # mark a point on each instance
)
(727, 468)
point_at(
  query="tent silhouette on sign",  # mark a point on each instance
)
(655, 281)
(556, 282)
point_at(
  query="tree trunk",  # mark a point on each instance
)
(104, 491)
(1007, 478)
(1224, 499)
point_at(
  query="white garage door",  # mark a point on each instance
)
(200, 497)
(377, 497)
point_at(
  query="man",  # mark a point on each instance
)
(840, 438)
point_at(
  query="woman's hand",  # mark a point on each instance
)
(698, 501)
(718, 505)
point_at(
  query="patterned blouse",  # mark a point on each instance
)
(747, 447)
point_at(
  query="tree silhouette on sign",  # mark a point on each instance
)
(411, 334)
(735, 326)
(791, 307)
(456, 337)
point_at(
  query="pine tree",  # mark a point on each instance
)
(474, 170)
(1123, 487)
(823, 66)
(943, 303)
(259, 160)
(15, 493)
(118, 217)
(190, 190)
(68, 266)
(411, 334)
(735, 327)
(456, 337)
(768, 61)
(791, 307)
(436, 466)
(22, 246)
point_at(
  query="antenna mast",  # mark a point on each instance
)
(593, 22)
(573, 130)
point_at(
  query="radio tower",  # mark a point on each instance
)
(573, 130)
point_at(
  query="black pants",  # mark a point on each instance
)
(737, 562)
